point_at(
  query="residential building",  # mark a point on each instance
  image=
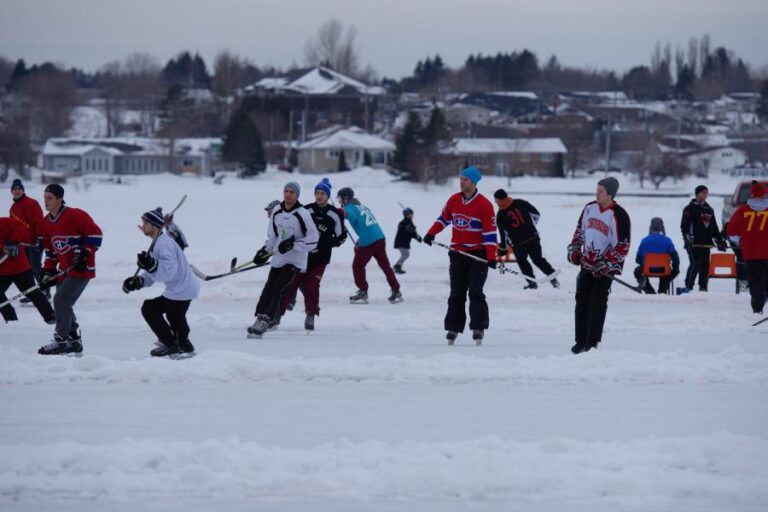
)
(508, 157)
(321, 154)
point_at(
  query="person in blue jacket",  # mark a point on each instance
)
(657, 242)
(370, 244)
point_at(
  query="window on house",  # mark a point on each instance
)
(478, 160)
(525, 157)
(547, 157)
(332, 153)
(380, 157)
(502, 168)
(727, 154)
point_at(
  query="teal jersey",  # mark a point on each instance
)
(364, 223)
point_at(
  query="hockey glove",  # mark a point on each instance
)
(286, 245)
(47, 279)
(262, 256)
(146, 262)
(574, 254)
(721, 246)
(39, 242)
(688, 242)
(338, 240)
(600, 269)
(492, 264)
(80, 262)
(429, 238)
(11, 248)
(133, 283)
(419, 239)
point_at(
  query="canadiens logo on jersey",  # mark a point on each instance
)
(461, 221)
(61, 244)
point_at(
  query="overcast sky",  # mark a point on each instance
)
(392, 34)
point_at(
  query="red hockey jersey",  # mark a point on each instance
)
(473, 221)
(13, 231)
(62, 234)
(27, 211)
(749, 228)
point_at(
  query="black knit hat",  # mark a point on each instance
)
(55, 189)
(154, 217)
(500, 194)
(17, 184)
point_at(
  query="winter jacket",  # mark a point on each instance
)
(516, 220)
(656, 243)
(699, 221)
(364, 223)
(406, 231)
(297, 223)
(603, 236)
(748, 227)
(329, 222)
(473, 222)
(172, 269)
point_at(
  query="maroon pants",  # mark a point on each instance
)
(378, 251)
(309, 282)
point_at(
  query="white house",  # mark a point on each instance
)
(322, 153)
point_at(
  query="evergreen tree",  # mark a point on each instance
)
(342, 162)
(436, 129)
(406, 144)
(242, 143)
(762, 108)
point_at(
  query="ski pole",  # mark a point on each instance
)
(166, 222)
(620, 281)
(33, 288)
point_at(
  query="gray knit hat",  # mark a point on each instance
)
(611, 185)
(293, 186)
(657, 226)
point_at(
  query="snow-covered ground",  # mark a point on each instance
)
(373, 411)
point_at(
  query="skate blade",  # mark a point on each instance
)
(73, 354)
(395, 301)
(184, 355)
(358, 302)
(254, 336)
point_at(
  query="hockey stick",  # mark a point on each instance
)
(33, 288)
(4, 258)
(236, 270)
(502, 269)
(166, 222)
(760, 321)
(620, 281)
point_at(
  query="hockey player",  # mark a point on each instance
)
(657, 242)
(516, 220)
(28, 211)
(406, 231)
(330, 225)
(474, 231)
(599, 246)
(166, 315)
(370, 244)
(271, 206)
(748, 228)
(15, 269)
(699, 227)
(70, 239)
(291, 235)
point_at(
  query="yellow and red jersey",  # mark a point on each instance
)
(749, 228)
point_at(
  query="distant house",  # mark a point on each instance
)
(315, 98)
(508, 157)
(76, 156)
(322, 153)
(706, 153)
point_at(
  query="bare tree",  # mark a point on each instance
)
(334, 47)
(693, 55)
(133, 84)
(53, 96)
(227, 74)
(6, 69)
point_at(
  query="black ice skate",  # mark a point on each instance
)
(451, 337)
(61, 346)
(395, 297)
(477, 335)
(309, 322)
(361, 297)
(259, 327)
(163, 350)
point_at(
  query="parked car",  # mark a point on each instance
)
(739, 197)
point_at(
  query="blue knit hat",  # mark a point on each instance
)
(325, 186)
(154, 217)
(472, 174)
(293, 186)
(17, 184)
